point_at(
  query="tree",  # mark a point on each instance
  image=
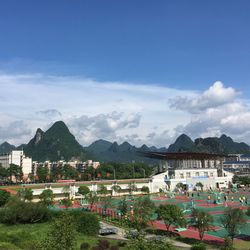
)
(3, 173)
(106, 202)
(66, 202)
(18, 211)
(42, 173)
(15, 170)
(4, 197)
(25, 194)
(116, 188)
(145, 190)
(142, 212)
(180, 185)
(86, 223)
(202, 221)
(171, 215)
(69, 172)
(228, 244)
(91, 198)
(66, 192)
(141, 243)
(132, 188)
(102, 190)
(232, 220)
(61, 235)
(47, 197)
(83, 190)
(199, 185)
(123, 206)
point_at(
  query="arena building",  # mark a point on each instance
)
(190, 169)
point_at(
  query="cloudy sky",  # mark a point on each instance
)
(140, 71)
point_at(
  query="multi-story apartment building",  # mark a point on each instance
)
(18, 158)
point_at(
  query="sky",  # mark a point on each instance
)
(141, 71)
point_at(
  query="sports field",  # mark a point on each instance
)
(204, 201)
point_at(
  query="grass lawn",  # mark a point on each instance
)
(19, 237)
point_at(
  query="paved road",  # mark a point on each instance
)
(121, 236)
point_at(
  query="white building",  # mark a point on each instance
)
(18, 158)
(189, 169)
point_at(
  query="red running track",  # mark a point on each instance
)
(189, 233)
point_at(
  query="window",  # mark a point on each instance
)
(211, 174)
(205, 173)
(197, 174)
(188, 174)
(181, 175)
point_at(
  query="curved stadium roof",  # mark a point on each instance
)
(182, 156)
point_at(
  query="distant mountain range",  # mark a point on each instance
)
(106, 151)
(223, 145)
(58, 143)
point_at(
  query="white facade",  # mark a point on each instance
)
(18, 158)
(26, 166)
(15, 157)
(208, 177)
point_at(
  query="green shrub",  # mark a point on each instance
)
(228, 244)
(61, 234)
(114, 248)
(84, 246)
(121, 243)
(4, 197)
(198, 247)
(8, 246)
(86, 223)
(103, 244)
(17, 211)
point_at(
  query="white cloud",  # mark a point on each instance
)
(92, 109)
(224, 113)
(14, 131)
(108, 126)
(138, 113)
(215, 96)
(49, 113)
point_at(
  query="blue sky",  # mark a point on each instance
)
(183, 47)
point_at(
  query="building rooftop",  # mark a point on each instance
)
(182, 156)
(237, 162)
